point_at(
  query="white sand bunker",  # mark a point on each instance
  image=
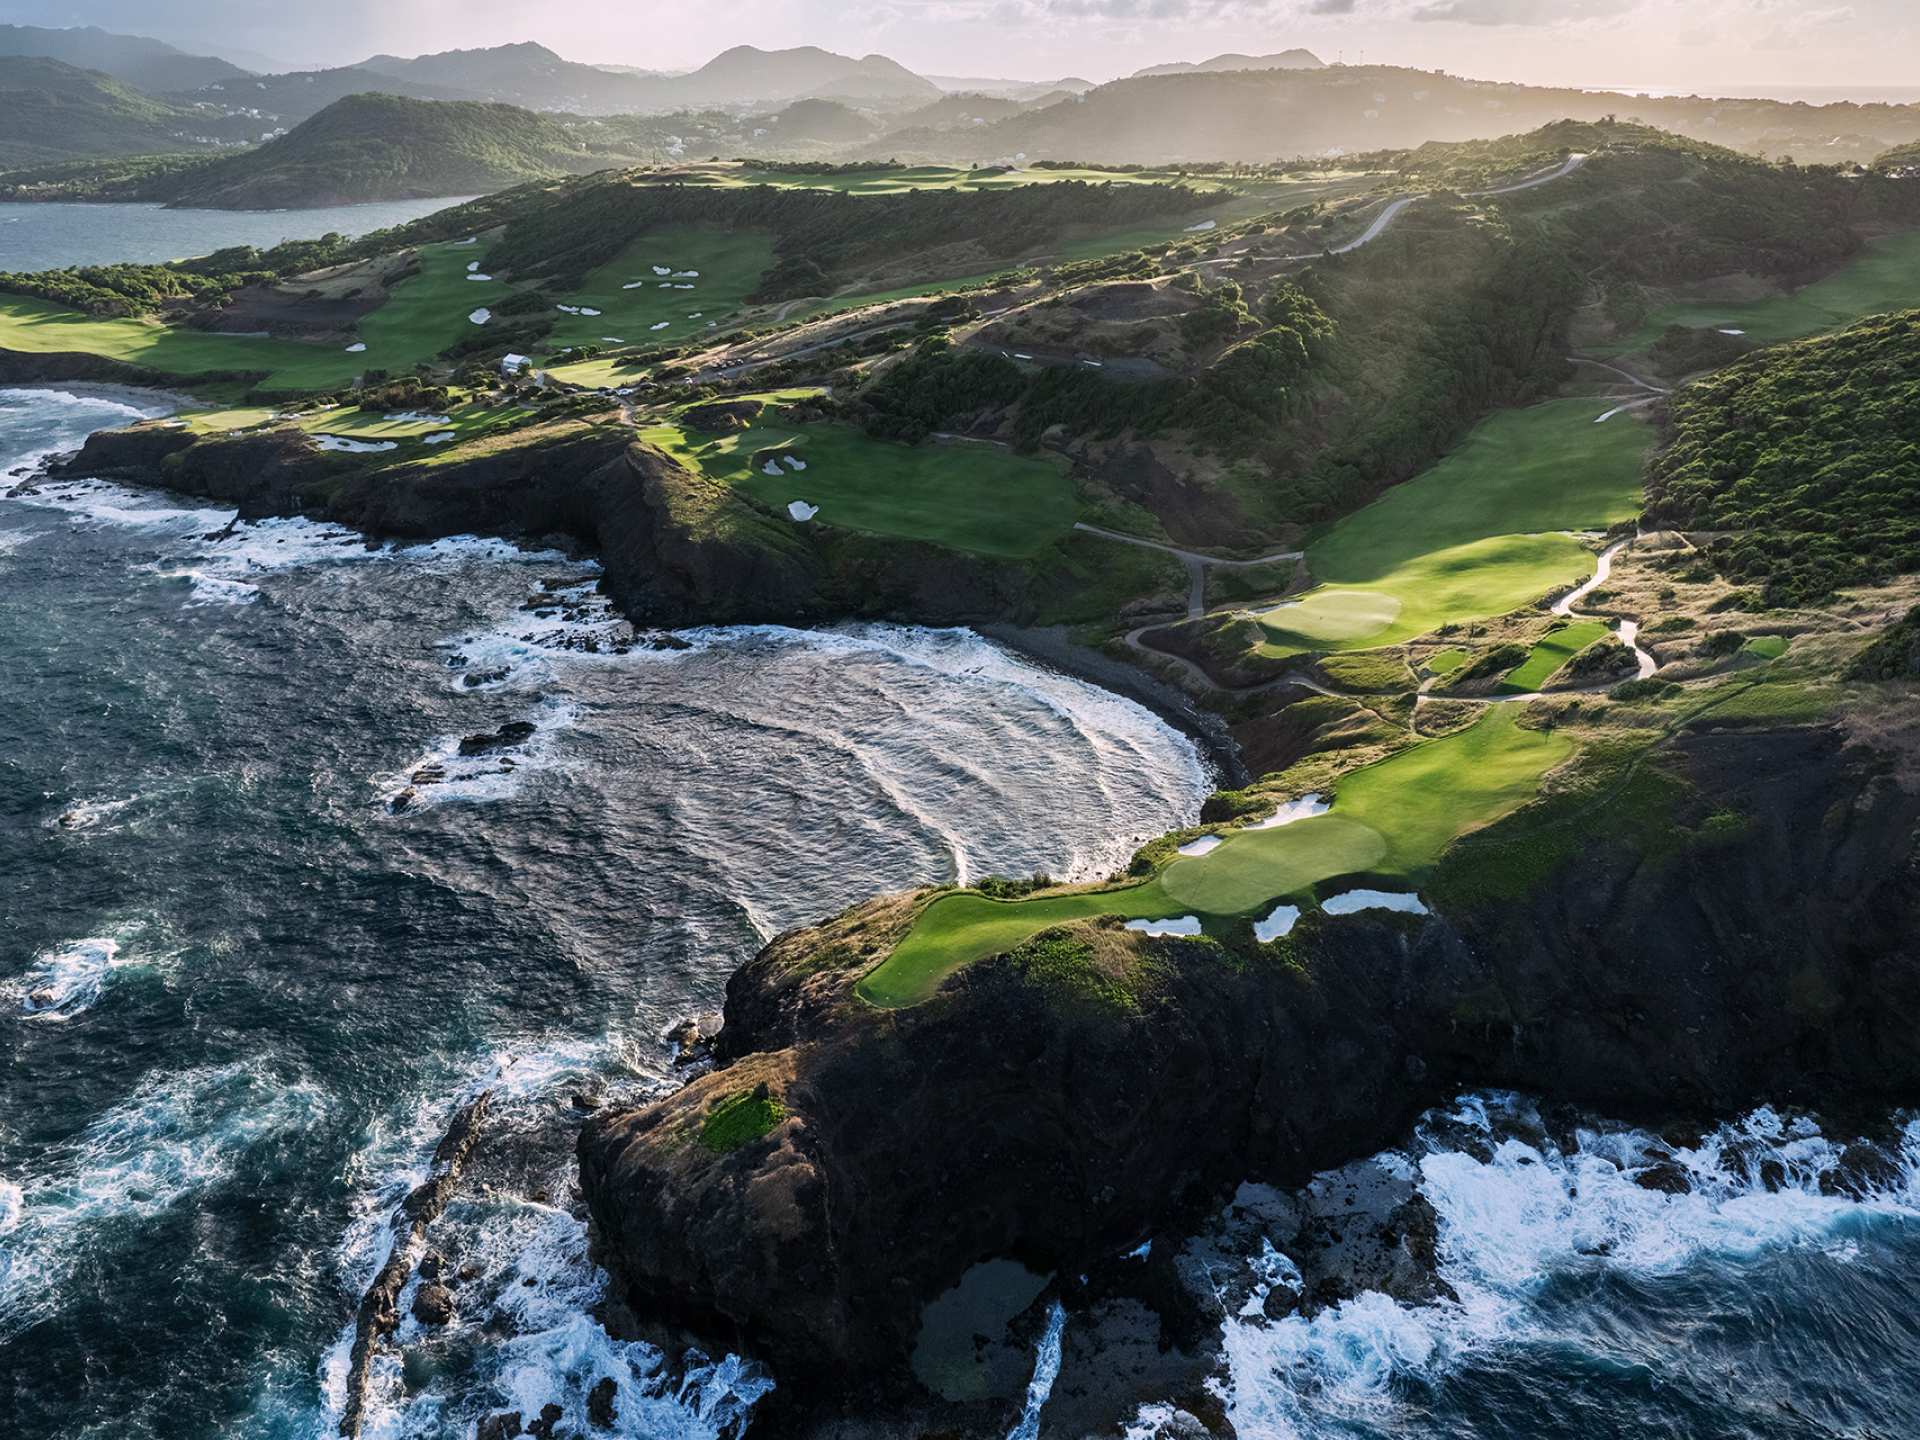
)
(577, 309)
(661, 326)
(1205, 845)
(419, 417)
(695, 314)
(472, 265)
(636, 285)
(801, 511)
(793, 462)
(612, 340)
(479, 277)
(1289, 811)
(1279, 922)
(686, 274)
(1185, 925)
(1202, 227)
(663, 269)
(480, 317)
(439, 437)
(358, 347)
(772, 467)
(683, 287)
(342, 445)
(1733, 332)
(1356, 900)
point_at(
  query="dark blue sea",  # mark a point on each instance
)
(243, 985)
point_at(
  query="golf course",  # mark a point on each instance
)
(1553, 650)
(1484, 532)
(1393, 818)
(1885, 277)
(977, 498)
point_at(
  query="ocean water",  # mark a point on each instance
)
(47, 236)
(241, 992)
(243, 985)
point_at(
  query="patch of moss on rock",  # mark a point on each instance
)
(740, 1120)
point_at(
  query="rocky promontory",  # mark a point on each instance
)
(843, 1166)
(679, 548)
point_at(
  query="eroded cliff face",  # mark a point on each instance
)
(1060, 1122)
(679, 548)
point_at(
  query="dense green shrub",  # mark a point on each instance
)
(1805, 463)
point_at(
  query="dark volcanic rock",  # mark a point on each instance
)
(1001, 1119)
(509, 734)
(600, 1407)
(504, 1426)
(433, 1304)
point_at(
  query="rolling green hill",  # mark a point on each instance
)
(384, 147)
(51, 111)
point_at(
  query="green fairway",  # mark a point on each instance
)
(1886, 277)
(639, 307)
(1392, 818)
(978, 498)
(1551, 653)
(464, 421)
(1482, 533)
(1445, 662)
(422, 316)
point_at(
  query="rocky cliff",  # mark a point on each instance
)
(1060, 1104)
(679, 548)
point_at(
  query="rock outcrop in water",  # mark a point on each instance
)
(1062, 1117)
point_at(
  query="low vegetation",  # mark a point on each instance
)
(1802, 463)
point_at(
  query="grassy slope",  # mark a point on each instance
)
(1480, 534)
(425, 313)
(977, 498)
(730, 263)
(1550, 654)
(1887, 277)
(1393, 818)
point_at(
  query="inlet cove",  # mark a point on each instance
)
(798, 748)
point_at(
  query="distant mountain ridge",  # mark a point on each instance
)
(535, 78)
(145, 64)
(50, 110)
(1279, 60)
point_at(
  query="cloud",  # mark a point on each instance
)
(1519, 12)
(1330, 7)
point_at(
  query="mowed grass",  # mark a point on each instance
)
(977, 498)
(731, 264)
(1886, 277)
(423, 315)
(1482, 533)
(1550, 654)
(465, 421)
(897, 180)
(1394, 818)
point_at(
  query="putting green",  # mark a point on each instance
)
(1886, 277)
(1391, 818)
(978, 498)
(1331, 618)
(1482, 533)
(1550, 654)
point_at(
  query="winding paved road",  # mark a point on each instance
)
(1195, 562)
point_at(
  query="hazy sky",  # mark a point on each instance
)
(1705, 44)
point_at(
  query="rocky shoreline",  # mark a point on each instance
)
(1062, 1121)
(1059, 1121)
